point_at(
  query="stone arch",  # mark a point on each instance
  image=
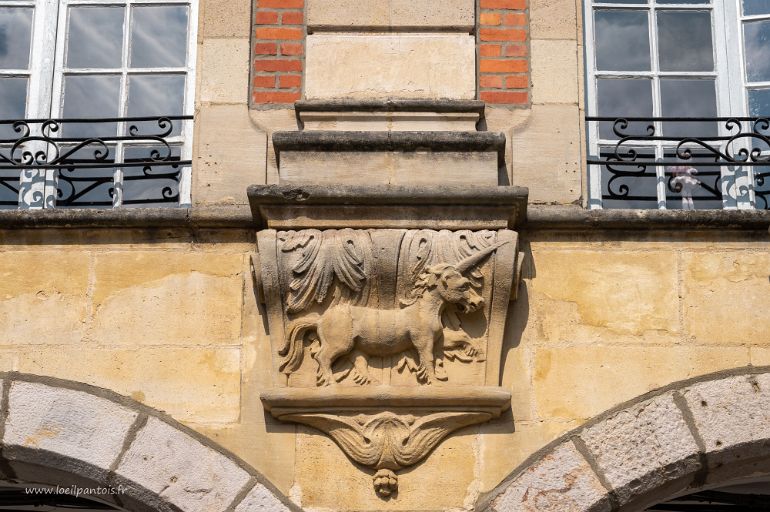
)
(66, 433)
(704, 432)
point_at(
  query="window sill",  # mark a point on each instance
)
(569, 218)
(231, 216)
(539, 218)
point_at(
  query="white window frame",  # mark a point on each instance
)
(46, 82)
(729, 74)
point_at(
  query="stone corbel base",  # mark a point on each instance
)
(387, 428)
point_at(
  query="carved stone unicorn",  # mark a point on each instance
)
(364, 331)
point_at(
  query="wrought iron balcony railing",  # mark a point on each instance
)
(675, 162)
(107, 162)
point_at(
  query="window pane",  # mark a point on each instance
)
(95, 37)
(624, 98)
(156, 95)
(15, 36)
(757, 40)
(159, 36)
(156, 185)
(91, 96)
(81, 187)
(689, 98)
(751, 7)
(13, 97)
(629, 186)
(13, 104)
(622, 40)
(9, 187)
(684, 41)
(622, 2)
(759, 102)
(690, 186)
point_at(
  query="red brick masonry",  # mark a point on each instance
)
(503, 33)
(279, 48)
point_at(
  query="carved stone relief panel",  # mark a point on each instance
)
(387, 307)
(386, 339)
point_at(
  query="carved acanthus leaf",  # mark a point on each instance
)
(327, 256)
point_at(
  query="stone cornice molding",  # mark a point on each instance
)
(386, 206)
(539, 218)
(390, 105)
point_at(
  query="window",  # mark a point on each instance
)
(96, 99)
(678, 99)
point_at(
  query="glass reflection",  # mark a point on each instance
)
(753, 7)
(95, 37)
(156, 95)
(158, 36)
(13, 104)
(684, 41)
(13, 97)
(624, 97)
(759, 102)
(689, 98)
(15, 36)
(91, 96)
(757, 41)
(622, 40)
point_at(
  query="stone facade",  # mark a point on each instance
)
(140, 347)
(605, 306)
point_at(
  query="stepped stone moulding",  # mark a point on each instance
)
(386, 338)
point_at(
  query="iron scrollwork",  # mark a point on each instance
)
(88, 169)
(692, 163)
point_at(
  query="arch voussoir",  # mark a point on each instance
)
(176, 467)
(63, 429)
(60, 432)
(642, 448)
(694, 434)
(732, 417)
(561, 480)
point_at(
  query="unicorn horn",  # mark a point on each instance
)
(474, 259)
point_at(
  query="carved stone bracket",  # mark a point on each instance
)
(400, 430)
(386, 336)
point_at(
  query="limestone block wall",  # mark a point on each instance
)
(527, 54)
(392, 49)
(169, 318)
(230, 148)
(547, 141)
(519, 46)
